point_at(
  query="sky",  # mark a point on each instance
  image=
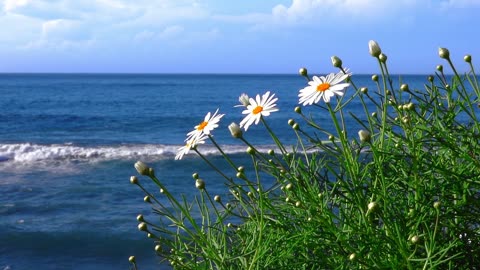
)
(228, 36)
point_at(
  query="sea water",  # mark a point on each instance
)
(68, 143)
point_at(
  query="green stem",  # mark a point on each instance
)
(227, 158)
(274, 137)
(212, 165)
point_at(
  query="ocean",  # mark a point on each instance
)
(68, 143)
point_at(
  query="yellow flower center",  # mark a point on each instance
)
(257, 110)
(202, 125)
(322, 87)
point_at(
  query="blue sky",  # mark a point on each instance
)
(225, 36)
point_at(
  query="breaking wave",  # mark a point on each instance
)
(29, 152)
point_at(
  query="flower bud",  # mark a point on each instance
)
(364, 135)
(162, 191)
(147, 199)
(296, 126)
(291, 122)
(217, 198)
(374, 114)
(404, 87)
(352, 257)
(271, 152)
(134, 180)
(443, 53)
(151, 172)
(374, 48)
(372, 206)
(250, 194)
(298, 204)
(142, 168)
(158, 248)
(303, 72)
(467, 58)
(244, 99)
(415, 239)
(298, 109)
(336, 62)
(289, 186)
(235, 130)
(383, 57)
(250, 150)
(140, 218)
(131, 259)
(375, 78)
(410, 106)
(364, 90)
(143, 227)
(150, 235)
(331, 138)
(241, 169)
(200, 184)
(436, 205)
(439, 68)
(430, 78)
(195, 176)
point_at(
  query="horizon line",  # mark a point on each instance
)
(195, 73)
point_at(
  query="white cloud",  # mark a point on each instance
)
(171, 31)
(321, 10)
(60, 29)
(59, 45)
(460, 3)
(73, 21)
(301, 12)
(10, 5)
(17, 29)
(167, 33)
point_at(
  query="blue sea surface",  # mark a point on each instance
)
(68, 143)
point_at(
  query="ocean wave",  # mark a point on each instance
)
(29, 152)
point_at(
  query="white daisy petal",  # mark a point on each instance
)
(258, 107)
(209, 123)
(323, 88)
(191, 143)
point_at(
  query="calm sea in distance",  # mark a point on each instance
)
(68, 143)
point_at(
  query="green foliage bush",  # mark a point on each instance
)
(402, 194)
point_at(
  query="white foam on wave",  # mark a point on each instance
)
(28, 152)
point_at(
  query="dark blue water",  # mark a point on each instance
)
(68, 144)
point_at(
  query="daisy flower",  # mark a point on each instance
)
(257, 108)
(190, 144)
(209, 123)
(323, 87)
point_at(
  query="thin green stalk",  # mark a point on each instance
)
(274, 137)
(226, 157)
(212, 165)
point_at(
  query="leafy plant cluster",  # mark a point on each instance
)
(403, 193)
